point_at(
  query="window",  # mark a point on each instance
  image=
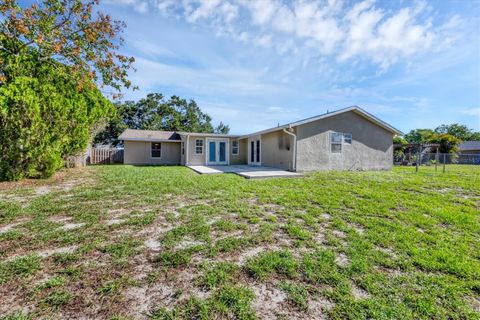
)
(336, 142)
(199, 146)
(337, 139)
(347, 138)
(235, 147)
(156, 150)
(183, 148)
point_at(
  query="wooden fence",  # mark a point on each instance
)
(105, 156)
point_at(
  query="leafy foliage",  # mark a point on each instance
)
(448, 136)
(44, 116)
(69, 32)
(419, 135)
(459, 131)
(156, 113)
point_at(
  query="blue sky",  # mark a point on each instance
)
(253, 64)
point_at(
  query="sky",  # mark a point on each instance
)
(254, 64)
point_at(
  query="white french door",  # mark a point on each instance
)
(254, 154)
(217, 152)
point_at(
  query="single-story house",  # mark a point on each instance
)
(346, 139)
(469, 147)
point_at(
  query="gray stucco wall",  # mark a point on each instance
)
(371, 148)
(277, 150)
(139, 152)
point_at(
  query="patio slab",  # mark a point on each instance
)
(246, 171)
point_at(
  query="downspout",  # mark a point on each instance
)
(186, 151)
(294, 147)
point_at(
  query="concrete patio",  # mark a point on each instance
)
(246, 171)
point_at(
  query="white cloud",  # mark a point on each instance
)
(471, 112)
(332, 28)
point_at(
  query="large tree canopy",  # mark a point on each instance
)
(459, 131)
(156, 113)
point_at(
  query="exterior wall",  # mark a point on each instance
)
(138, 152)
(195, 159)
(276, 149)
(241, 158)
(201, 159)
(371, 148)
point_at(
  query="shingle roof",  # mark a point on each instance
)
(149, 135)
(469, 145)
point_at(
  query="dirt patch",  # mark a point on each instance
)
(114, 221)
(326, 216)
(339, 234)
(358, 293)
(40, 191)
(71, 226)
(12, 225)
(387, 251)
(342, 260)
(358, 228)
(252, 252)
(318, 307)
(268, 300)
(48, 252)
(475, 303)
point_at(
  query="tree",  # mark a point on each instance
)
(399, 140)
(458, 131)
(154, 112)
(52, 56)
(67, 31)
(222, 128)
(448, 143)
(43, 116)
(419, 135)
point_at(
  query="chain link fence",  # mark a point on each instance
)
(435, 159)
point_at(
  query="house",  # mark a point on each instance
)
(346, 139)
(469, 147)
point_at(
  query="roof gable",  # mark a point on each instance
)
(355, 109)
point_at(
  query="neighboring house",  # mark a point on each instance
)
(347, 139)
(469, 147)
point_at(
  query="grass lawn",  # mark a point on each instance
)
(125, 242)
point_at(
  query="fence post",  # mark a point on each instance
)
(444, 161)
(436, 160)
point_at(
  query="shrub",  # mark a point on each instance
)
(45, 116)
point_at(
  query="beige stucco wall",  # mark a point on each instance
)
(195, 159)
(138, 152)
(277, 150)
(371, 148)
(200, 159)
(241, 158)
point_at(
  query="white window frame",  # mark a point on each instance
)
(235, 147)
(340, 143)
(151, 150)
(201, 146)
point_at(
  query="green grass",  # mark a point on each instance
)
(340, 245)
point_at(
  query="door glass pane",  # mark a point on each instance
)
(258, 150)
(252, 151)
(222, 148)
(211, 151)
